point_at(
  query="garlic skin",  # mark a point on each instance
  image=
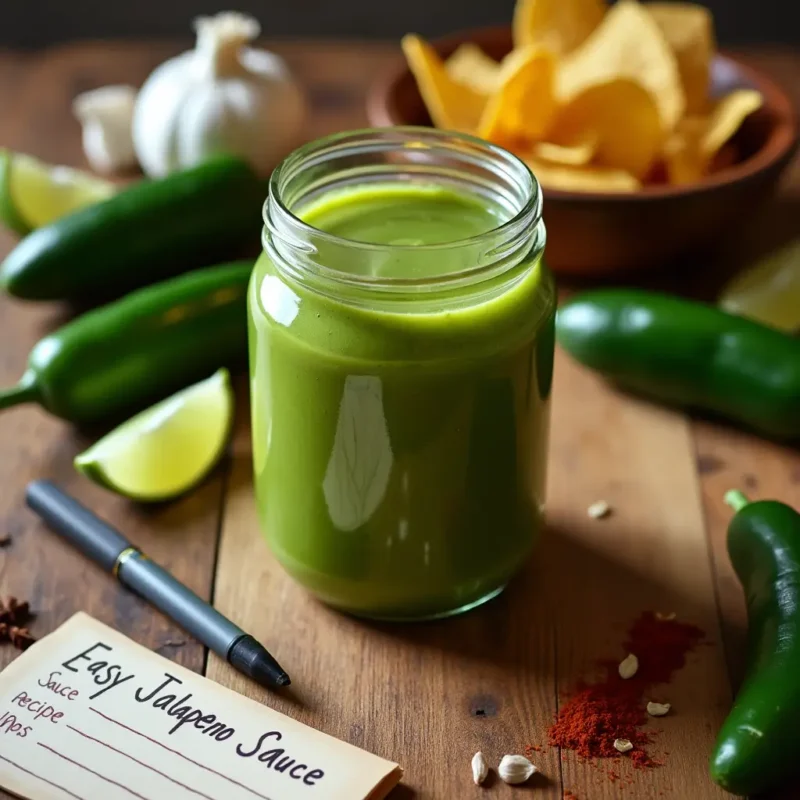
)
(223, 96)
(106, 115)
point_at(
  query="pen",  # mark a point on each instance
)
(114, 553)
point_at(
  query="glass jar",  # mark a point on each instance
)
(401, 375)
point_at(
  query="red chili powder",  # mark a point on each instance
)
(614, 708)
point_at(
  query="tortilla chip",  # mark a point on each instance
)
(451, 104)
(524, 106)
(472, 67)
(689, 29)
(560, 25)
(627, 44)
(572, 155)
(727, 117)
(683, 156)
(694, 149)
(621, 117)
(582, 179)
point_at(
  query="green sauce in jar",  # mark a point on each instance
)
(401, 351)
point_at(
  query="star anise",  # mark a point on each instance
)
(20, 637)
(13, 612)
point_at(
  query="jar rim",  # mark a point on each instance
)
(531, 209)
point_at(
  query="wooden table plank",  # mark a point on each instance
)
(649, 554)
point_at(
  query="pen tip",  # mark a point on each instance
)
(254, 660)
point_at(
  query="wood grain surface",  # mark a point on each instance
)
(427, 695)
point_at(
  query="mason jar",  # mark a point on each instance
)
(401, 360)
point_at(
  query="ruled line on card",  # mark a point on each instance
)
(92, 772)
(178, 753)
(142, 763)
(41, 778)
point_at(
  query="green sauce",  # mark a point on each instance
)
(400, 457)
(402, 215)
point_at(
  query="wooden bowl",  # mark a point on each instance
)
(596, 233)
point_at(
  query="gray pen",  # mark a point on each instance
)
(114, 553)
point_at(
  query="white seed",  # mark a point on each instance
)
(662, 617)
(480, 769)
(515, 769)
(658, 709)
(623, 745)
(629, 667)
(599, 509)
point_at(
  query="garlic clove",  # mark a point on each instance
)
(662, 616)
(480, 768)
(658, 709)
(515, 769)
(106, 115)
(599, 510)
(623, 745)
(629, 666)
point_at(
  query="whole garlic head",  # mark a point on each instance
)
(106, 115)
(223, 96)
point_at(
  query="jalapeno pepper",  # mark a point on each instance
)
(757, 745)
(688, 354)
(142, 348)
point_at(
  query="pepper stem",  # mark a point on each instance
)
(736, 500)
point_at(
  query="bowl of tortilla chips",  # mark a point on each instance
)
(650, 146)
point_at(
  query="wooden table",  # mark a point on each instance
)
(428, 695)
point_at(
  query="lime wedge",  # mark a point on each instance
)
(165, 450)
(33, 194)
(769, 291)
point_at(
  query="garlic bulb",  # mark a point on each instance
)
(223, 96)
(106, 115)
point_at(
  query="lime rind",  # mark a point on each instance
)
(167, 449)
(8, 213)
(769, 291)
(34, 194)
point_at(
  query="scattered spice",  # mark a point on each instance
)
(13, 618)
(598, 713)
(5, 540)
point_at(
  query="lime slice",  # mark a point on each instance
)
(769, 291)
(33, 194)
(165, 450)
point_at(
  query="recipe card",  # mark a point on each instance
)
(88, 714)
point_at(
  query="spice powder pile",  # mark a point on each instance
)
(614, 708)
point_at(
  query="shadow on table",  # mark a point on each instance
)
(569, 585)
